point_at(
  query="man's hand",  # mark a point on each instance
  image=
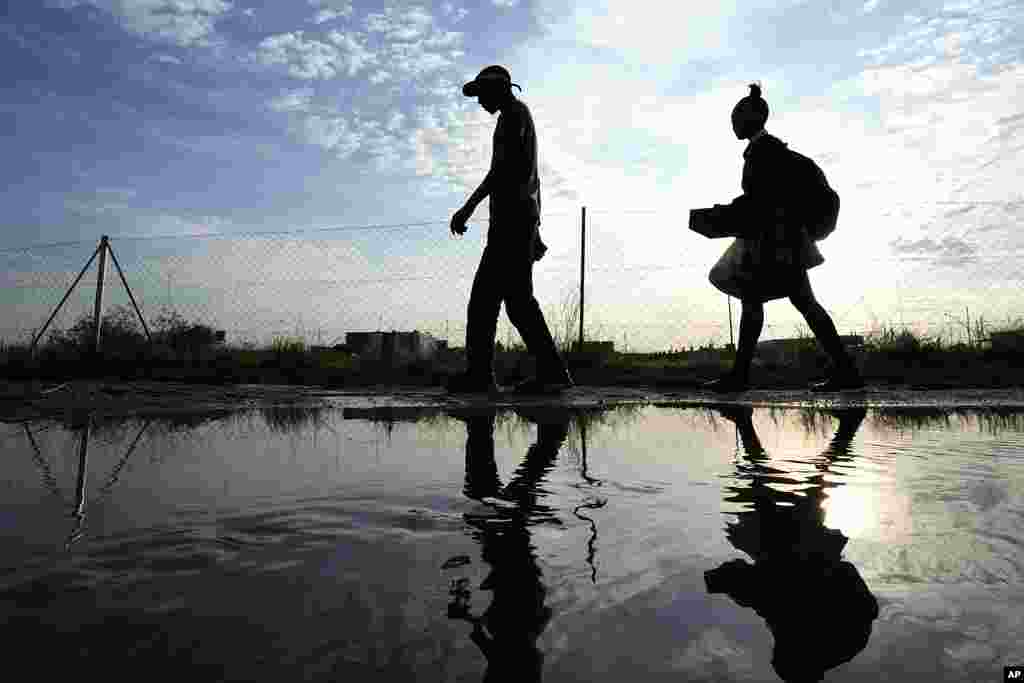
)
(458, 225)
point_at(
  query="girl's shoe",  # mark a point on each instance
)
(840, 381)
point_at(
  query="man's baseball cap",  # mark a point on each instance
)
(490, 74)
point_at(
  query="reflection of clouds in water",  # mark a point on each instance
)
(714, 651)
(981, 627)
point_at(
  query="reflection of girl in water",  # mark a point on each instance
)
(816, 604)
(508, 630)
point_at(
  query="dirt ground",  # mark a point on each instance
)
(25, 401)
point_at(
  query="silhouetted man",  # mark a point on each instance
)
(816, 604)
(505, 272)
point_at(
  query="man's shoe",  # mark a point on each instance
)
(536, 385)
(465, 383)
(727, 384)
(844, 381)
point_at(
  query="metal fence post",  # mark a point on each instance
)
(583, 263)
(98, 310)
(732, 342)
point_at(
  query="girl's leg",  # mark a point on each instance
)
(821, 325)
(751, 324)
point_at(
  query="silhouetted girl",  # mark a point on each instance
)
(771, 259)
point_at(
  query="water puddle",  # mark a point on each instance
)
(642, 541)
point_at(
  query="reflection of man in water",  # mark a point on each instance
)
(816, 604)
(508, 630)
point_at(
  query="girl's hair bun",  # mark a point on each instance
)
(755, 90)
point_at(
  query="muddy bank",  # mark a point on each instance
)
(20, 401)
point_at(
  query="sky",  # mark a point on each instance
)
(172, 119)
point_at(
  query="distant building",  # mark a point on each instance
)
(394, 346)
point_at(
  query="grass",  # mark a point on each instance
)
(185, 352)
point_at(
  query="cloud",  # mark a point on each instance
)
(981, 27)
(123, 214)
(415, 60)
(411, 67)
(171, 224)
(167, 59)
(651, 31)
(310, 59)
(326, 15)
(964, 123)
(444, 39)
(183, 22)
(411, 47)
(356, 54)
(395, 121)
(505, 3)
(298, 100)
(714, 650)
(401, 24)
(870, 6)
(950, 251)
(349, 136)
(415, 46)
(455, 14)
(333, 133)
(331, 10)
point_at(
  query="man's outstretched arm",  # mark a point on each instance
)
(479, 194)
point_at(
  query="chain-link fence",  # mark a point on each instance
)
(646, 284)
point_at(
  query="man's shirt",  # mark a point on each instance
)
(515, 195)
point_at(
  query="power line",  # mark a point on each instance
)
(33, 247)
(421, 224)
(345, 228)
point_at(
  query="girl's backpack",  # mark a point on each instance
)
(818, 203)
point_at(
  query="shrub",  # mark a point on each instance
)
(119, 332)
(287, 345)
(171, 329)
(902, 342)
